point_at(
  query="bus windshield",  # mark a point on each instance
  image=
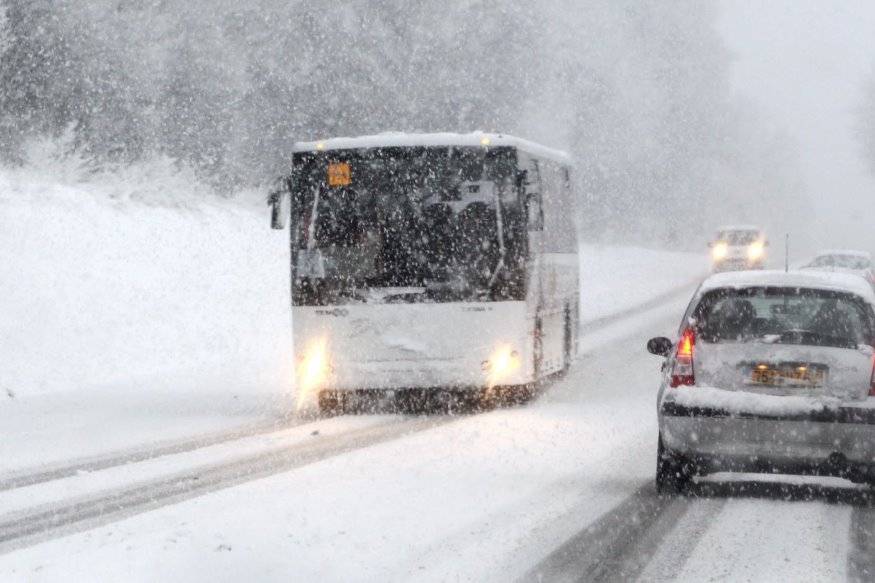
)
(405, 224)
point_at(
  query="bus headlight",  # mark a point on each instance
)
(312, 370)
(720, 250)
(755, 251)
(501, 364)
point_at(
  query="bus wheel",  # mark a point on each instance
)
(331, 403)
(538, 347)
(513, 395)
(567, 343)
(521, 394)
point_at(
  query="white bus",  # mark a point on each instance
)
(429, 263)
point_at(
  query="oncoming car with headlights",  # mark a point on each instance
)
(429, 264)
(770, 372)
(738, 247)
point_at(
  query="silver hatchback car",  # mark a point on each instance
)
(770, 372)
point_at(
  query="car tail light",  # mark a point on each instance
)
(682, 371)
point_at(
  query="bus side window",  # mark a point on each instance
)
(534, 212)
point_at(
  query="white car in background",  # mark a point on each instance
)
(770, 372)
(844, 261)
(738, 247)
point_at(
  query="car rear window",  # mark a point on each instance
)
(843, 261)
(784, 316)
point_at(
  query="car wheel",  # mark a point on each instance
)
(673, 471)
(862, 475)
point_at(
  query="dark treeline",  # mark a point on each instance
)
(638, 91)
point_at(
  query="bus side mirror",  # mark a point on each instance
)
(280, 208)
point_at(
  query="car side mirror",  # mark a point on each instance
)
(765, 244)
(710, 244)
(660, 346)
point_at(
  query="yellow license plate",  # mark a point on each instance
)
(777, 377)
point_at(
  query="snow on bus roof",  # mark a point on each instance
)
(803, 279)
(399, 140)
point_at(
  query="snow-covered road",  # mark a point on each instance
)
(556, 490)
(752, 530)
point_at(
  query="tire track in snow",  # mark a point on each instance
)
(619, 545)
(28, 527)
(861, 556)
(676, 548)
(681, 291)
(66, 469)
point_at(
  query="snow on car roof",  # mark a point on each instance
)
(738, 228)
(850, 252)
(803, 279)
(398, 140)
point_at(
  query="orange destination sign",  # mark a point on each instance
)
(338, 174)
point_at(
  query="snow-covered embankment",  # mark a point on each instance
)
(137, 280)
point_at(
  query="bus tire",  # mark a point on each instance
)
(331, 403)
(538, 349)
(522, 394)
(512, 395)
(567, 343)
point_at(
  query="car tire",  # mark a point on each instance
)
(862, 475)
(673, 471)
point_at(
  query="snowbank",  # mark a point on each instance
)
(616, 279)
(137, 274)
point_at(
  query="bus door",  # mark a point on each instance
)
(532, 202)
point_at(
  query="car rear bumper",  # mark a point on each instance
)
(820, 441)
